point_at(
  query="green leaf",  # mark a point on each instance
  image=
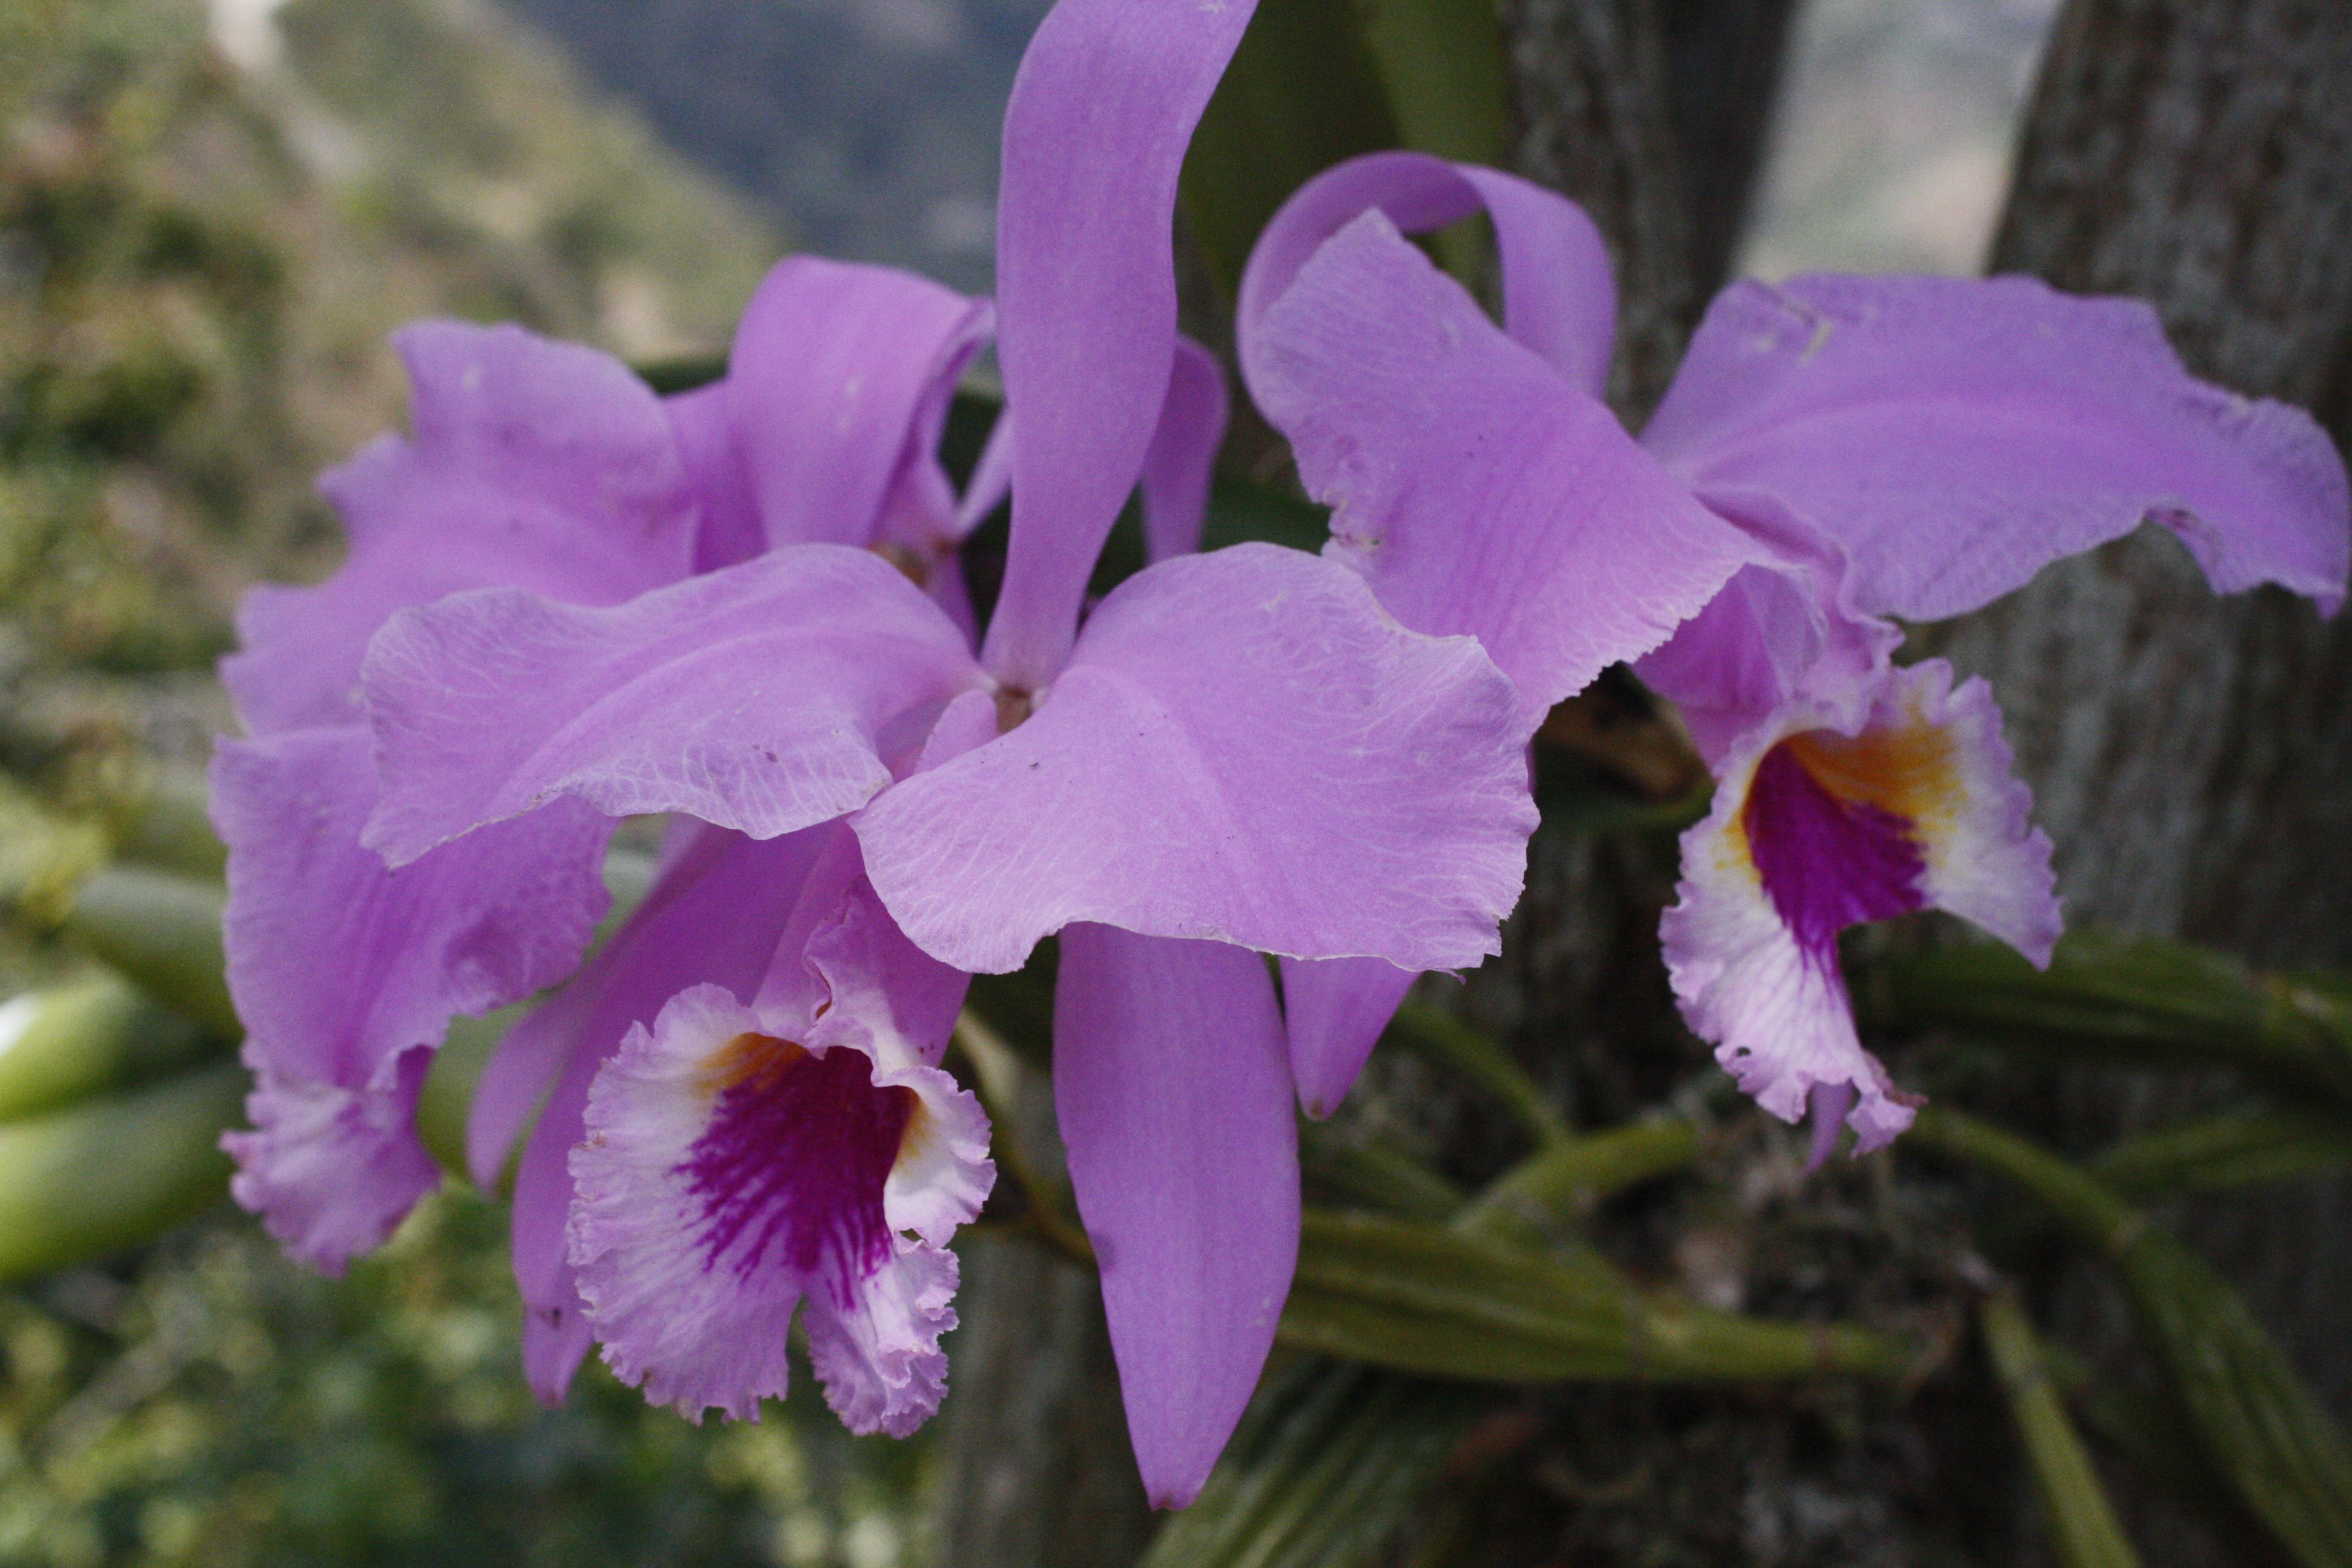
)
(112, 1172)
(2215, 1153)
(1242, 509)
(170, 830)
(162, 930)
(2138, 1000)
(1418, 1298)
(94, 1037)
(2255, 1419)
(1563, 1183)
(1377, 1175)
(1303, 92)
(1328, 1465)
(2082, 1523)
(1455, 1045)
(1443, 65)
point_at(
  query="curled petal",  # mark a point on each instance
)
(837, 385)
(341, 969)
(1476, 489)
(1819, 825)
(1957, 434)
(1095, 135)
(1245, 748)
(1559, 300)
(332, 1170)
(730, 1171)
(759, 698)
(1174, 1096)
(541, 465)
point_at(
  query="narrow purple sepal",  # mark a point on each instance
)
(1182, 457)
(1333, 1011)
(1173, 1095)
(1095, 135)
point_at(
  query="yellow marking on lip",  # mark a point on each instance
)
(748, 1058)
(1908, 768)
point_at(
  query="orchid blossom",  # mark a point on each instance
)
(818, 1129)
(1231, 753)
(1888, 447)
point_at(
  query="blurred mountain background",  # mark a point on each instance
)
(210, 217)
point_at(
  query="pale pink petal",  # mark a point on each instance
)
(758, 699)
(1559, 300)
(539, 464)
(1957, 434)
(1476, 489)
(1244, 748)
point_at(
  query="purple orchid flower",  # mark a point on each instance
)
(546, 465)
(1234, 754)
(1891, 447)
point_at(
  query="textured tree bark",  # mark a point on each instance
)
(1589, 82)
(1035, 1471)
(2192, 757)
(1652, 114)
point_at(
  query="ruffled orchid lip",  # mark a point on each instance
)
(734, 1174)
(1869, 802)
(792, 1166)
(1831, 824)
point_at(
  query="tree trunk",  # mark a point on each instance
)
(1036, 1470)
(2192, 757)
(1652, 114)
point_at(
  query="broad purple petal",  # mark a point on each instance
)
(838, 382)
(1823, 821)
(759, 698)
(1244, 748)
(1476, 489)
(541, 465)
(1956, 436)
(1095, 135)
(1333, 1011)
(1174, 1096)
(341, 968)
(1183, 453)
(1559, 300)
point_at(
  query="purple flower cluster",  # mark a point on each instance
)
(569, 601)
